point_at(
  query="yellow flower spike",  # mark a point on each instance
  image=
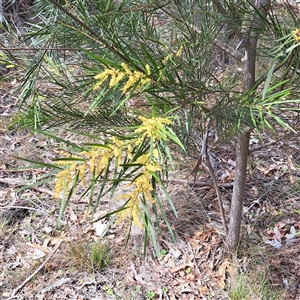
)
(155, 153)
(101, 78)
(129, 151)
(296, 34)
(143, 159)
(128, 72)
(81, 173)
(117, 141)
(118, 155)
(116, 79)
(165, 60)
(63, 177)
(134, 78)
(179, 52)
(142, 188)
(148, 70)
(153, 167)
(152, 127)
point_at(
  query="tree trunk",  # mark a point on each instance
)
(242, 149)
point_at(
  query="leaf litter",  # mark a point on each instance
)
(198, 266)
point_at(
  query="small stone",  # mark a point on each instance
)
(6, 294)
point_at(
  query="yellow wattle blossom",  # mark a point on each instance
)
(179, 51)
(63, 180)
(95, 161)
(152, 128)
(115, 77)
(135, 79)
(166, 59)
(143, 159)
(148, 70)
(169, 56)
(153, 167)
(142, 189)
(296, 34)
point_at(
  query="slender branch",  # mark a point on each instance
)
(228, 50)
(25, 207)
(206, 160)
(230, 23)
(225, 48)
(242, 149)
(42, 48)
(18, 288)
(223, 185)
(15, 181)
(266, 145)
(93, 33)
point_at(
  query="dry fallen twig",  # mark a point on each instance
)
(18, 288)
(19, 182)
(25, 208)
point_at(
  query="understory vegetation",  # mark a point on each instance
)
(150, 149)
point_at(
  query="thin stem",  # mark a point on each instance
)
(206, 159)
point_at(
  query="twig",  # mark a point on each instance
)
(285, 135)
(265, 145)
(206, 160)
(203, 183)
(18, 288)
(289, 161)
(14, 181)
(42, 48)
(56, 284)
(226, 48)
(26, 207)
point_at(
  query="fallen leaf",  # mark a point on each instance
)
(175, 252)
(100, 228)
(222, 274)
(178, 268)
(203, 290)
(190, 277)
(35, 251)
(275, 243)
(290, 236)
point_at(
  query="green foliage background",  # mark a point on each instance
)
(79, 39)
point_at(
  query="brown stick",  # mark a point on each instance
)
(38, 49)
(25, 208)
(18, 288)
(198, 183)
(14, 181)
(206, 160)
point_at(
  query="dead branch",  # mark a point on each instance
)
(206, 160)
(25, 208)
(198, 183)
(18, 182)
(18, 288)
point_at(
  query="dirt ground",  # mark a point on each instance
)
(39, 261)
